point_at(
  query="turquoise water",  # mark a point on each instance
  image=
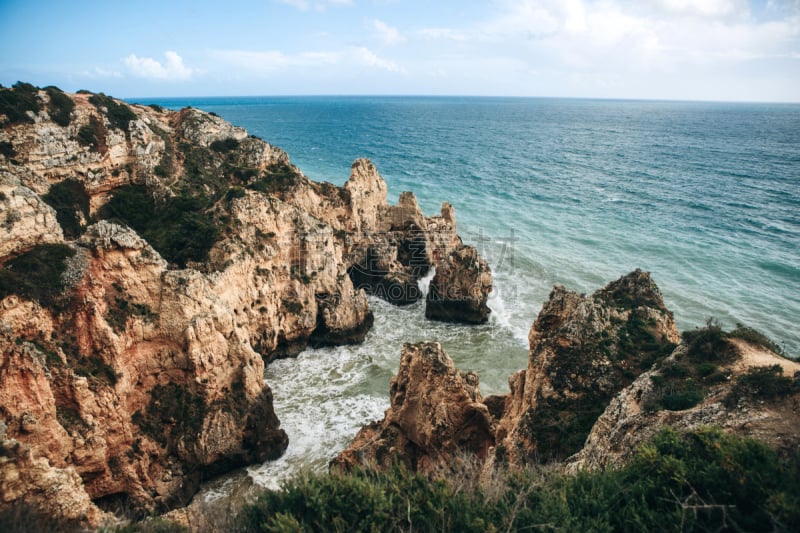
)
(705, 196)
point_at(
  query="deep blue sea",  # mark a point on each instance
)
(705, 196)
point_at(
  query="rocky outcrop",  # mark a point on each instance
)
(436, 414)
(135, 355)
(768, 410)
(583, 351)
(55, 493)
(460, 288)
(25, 219)
(142, 383)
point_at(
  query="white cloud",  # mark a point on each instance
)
(644, 37)
(388, 34)
(368, 58)
(705, 8)
(147, 67)
(272, 60)
(319, 5)
(265, 62)
(448, 34)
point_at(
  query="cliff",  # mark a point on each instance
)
(605, 373)
(152, 262)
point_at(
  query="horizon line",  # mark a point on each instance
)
(475, 96)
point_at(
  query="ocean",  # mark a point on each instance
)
(704, 196)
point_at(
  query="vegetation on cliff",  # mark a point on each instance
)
(697, 481)
(685, 380)
(177, 227)
(37, 274)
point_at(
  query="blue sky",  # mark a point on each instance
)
(656, 49)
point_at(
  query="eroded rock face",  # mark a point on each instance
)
(583, 351)
(460, 288)
(56, 493)
(145, 372)
(436, 414)
(142, 384)
(25, 219)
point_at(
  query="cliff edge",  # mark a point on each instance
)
(152, 263)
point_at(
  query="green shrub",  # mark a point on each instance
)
(277, 178)
(755, 337)
(37, 274)
(225, 145)
(60, 107)
(7, 150)
(97, 370)
(119, 115)
(703, 480)
(761, 383)
(179, 229)
(172, 409)
(234, 192)
(17, 101)
(69, 198)
(684, 396)
(161, 171)
(156, 107)
(707, 344)
(91, 134)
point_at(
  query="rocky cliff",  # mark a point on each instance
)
(152, 261)
(436, 413)
(583, 351)
(605, 373)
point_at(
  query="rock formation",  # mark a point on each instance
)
(460, 287)
(436, 414)
(152, 261)
(604, 375)
(583, 351)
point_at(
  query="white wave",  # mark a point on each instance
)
(424, 283)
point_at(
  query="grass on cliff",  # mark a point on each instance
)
(37, 274)
(119, 115)
(684, 383)
(69, 199)
(16, 102)
(705, 480)
(177, 228)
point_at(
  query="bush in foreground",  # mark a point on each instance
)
(699, 481)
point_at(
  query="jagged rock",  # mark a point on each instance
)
(436, 414)
(25, 219)
(460, 288)
(203, 129)
(146, 378)
(56, 493)
(146, 365)
(583, 351)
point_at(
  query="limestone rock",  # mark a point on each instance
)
(583, 351)
(54, 493)
(146, 377)
(25, 219)
(460, 288)
(436, 414)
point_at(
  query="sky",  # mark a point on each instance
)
(729, 50)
